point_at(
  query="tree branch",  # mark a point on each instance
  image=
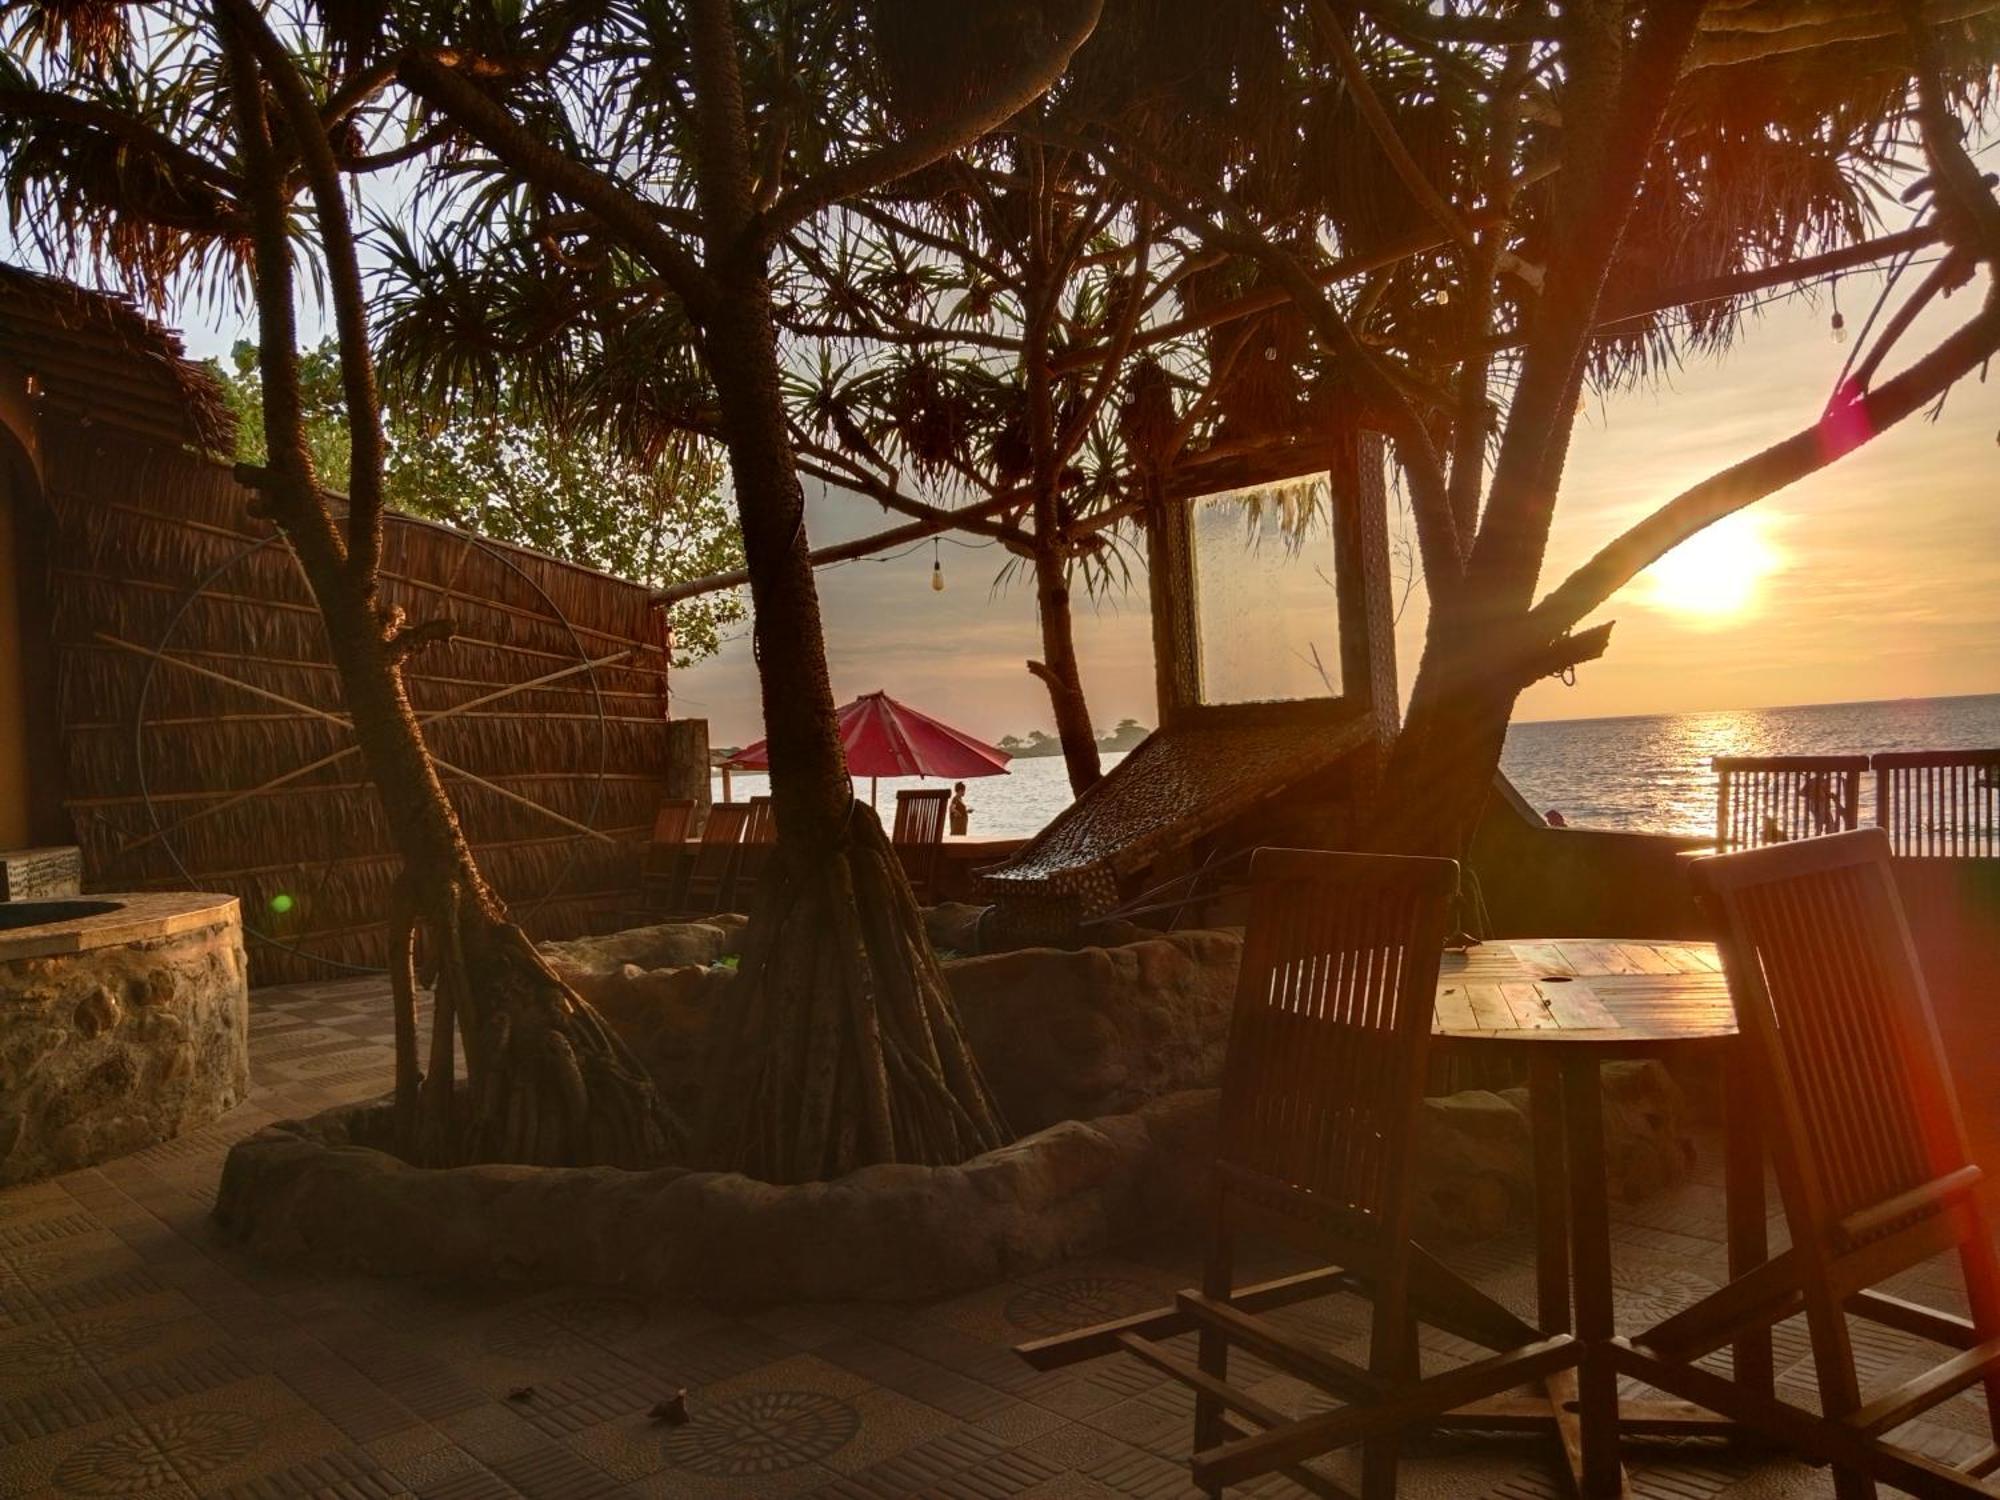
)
(291, 498)
(1437, 531)
(41, 104)
(367, 448)
(1007, 97)
(622, 210)
(1845, 426)
(824, 464)
(865, 546)
(1265, 298)
(1335, 38)
(1739, 283)
(1751, 35)
(1078, 426)
(1605, 165)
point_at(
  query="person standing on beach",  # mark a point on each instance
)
(961, 815)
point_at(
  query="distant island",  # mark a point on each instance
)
(1039, 742)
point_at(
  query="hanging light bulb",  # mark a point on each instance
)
(1442, 297)
(1839, 322)
(937, 569)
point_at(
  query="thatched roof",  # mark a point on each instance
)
(99, 359)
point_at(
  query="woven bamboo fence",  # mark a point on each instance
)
(205, 734)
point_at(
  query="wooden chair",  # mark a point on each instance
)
(660, 859)
(919, 837)
(760, 832)
(710, 883)
(1871, 1161)
(1773, 799)
(1321, 1095)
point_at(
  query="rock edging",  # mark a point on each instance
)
(312, 1191)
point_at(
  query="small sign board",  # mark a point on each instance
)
(40, 874)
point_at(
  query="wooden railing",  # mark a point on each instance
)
(1934, 804)
(1774, 799)
(1940, 804)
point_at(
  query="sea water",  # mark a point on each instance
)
(1647, 773)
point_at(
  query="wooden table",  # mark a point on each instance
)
(1565, 1006)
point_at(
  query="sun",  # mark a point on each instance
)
(1716, 575)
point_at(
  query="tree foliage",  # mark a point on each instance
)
(575, 495)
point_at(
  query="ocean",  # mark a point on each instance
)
(1648, 773)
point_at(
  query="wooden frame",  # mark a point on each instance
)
(1352, 464)
(1321, 1096)
(1871, 1162)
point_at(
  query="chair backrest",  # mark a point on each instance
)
(1940, 804)
(1826, 984)
(1774, 799)
(720, 836)
(759, 826)
(670, 823)
(1328, 1041)
(920, 816)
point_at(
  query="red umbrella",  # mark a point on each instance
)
(885, 738)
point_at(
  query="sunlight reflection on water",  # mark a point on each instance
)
(1653, 772)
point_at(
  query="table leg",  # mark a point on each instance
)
(1743, 1188)
(1551, 1196)
(1590, 1251)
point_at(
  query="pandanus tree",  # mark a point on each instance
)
(1582, 195)
(1017, 337)
(965, 343)
(175, 144)
(653, 159)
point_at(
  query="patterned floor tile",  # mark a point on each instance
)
(140, 1353)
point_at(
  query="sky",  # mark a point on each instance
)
(1877, 578)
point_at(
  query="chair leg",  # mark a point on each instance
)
(1839, 1389)
(1218, 1279)
(1381, 1455)
(1981, 1269)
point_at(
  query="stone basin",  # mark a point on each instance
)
(124, 1021)
(18, 914)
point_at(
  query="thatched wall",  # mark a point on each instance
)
(192, 670)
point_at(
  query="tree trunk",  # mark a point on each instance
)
(1061, 674)
(1441, 767)
(547, 1081)
(843, 1047)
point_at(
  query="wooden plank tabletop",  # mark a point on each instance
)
(1611, 995)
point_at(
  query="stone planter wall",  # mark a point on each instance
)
(316, 1191)
(119, 1030)
(1106, 1059)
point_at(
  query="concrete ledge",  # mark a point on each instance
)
(317, 1192)
(137, 918)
